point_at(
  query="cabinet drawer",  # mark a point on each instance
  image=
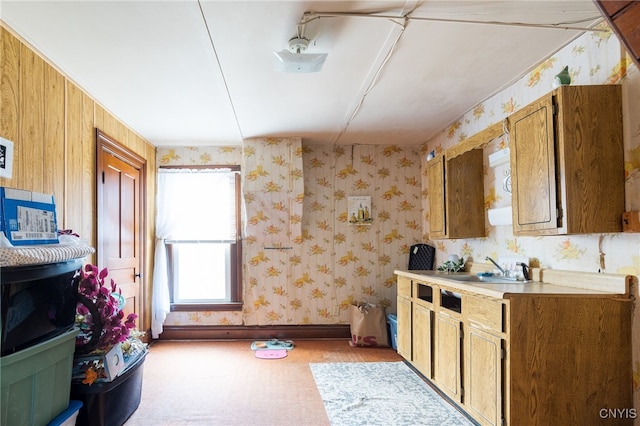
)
(486, 313)
(423, 292)
(404, 287)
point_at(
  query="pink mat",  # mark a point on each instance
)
(271, 353)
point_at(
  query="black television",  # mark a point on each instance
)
(38, 302)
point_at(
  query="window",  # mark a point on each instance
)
(202, 208)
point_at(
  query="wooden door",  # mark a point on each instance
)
(422, 325)
(437, 214)
(403, 342)
(120, 220)
(447, 352)
(533, 168)
(484, 376)
(464, 195)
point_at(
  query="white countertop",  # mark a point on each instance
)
(505, 291)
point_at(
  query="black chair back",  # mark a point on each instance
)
(421, 257)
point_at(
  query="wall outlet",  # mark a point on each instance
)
(336, 310)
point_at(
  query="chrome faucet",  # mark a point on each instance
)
(526, 277)
(502, 270)
(525, 271)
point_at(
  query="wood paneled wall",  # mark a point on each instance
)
(52, 123)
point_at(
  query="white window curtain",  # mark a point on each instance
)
(193, 204)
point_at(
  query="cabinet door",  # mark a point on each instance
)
(533, 168)
(422, 337)
(447, 352)
(404, 328)
(404, 287)
(464, 201)
(590, 155)
(456, 196)
(483, 376)
(437, 214)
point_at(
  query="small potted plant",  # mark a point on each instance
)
(453, 264)
(103, 326)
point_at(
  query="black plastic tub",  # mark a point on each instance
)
(110, 403)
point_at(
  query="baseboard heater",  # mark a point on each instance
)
(223, 332)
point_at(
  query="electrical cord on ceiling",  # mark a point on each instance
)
(311, 16)
(578, 21)
(224, 79)
(374, 80)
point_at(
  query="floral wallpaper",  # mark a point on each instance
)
(594, 58)
(304, 262)
(273, 193)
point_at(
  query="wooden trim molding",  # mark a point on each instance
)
(226, 332)
(211, 307)
(479, 140)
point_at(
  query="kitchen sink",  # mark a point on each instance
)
(482, 279)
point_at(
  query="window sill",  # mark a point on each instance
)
(191, 307)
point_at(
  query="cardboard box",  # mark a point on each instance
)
(27, 217)
(14, 194)
(110, 364)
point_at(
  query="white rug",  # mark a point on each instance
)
(380, 393)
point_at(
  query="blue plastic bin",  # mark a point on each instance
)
(392, 320)
(68, 416)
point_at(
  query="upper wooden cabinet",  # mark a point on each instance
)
(567, 162)
(623, 17)
(456, 196)
(435, 179)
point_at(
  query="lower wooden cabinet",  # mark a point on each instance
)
(422, 338)
(448, 355)
(484, 375)
(404, 302)
(404, 341)
(524, 358)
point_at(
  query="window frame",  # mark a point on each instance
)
(236, 303)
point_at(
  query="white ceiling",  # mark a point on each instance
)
(192, 72)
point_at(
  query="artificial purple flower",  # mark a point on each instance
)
(96, 298)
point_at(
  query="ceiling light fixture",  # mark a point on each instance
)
(294, 59)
